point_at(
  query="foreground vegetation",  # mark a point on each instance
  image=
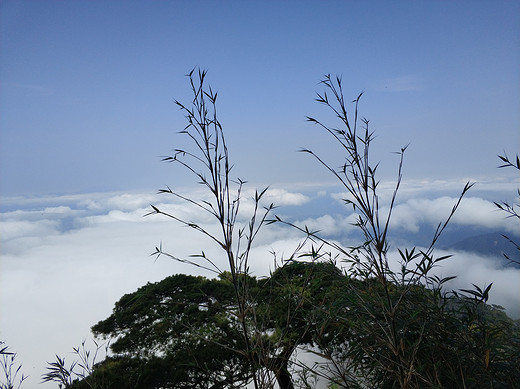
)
(182, 333)
(364, 326)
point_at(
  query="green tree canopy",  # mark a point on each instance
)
(181, 322)
(181, 332)
(188, 323)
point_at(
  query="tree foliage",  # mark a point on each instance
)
(181, 322)
(178, 333)
(185, 321)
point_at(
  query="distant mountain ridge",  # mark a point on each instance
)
(491, 244)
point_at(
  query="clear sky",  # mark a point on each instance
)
(87, 92)
(87, 87)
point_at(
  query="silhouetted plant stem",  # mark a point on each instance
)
(358, 176)
(212, 155)
(511, 209)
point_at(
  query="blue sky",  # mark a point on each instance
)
(87, 92)
(87, 87)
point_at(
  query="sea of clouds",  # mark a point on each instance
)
(65, 260)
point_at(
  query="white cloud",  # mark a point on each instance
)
(426, 201)
(430, 189)
(281, 197)
(14, 229)
(329, 225)
(54, 289)
(123, 201)
(21, 230)
(472, 211)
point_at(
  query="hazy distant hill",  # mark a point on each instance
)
(490, 244)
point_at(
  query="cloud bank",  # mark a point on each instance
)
(65, 260)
